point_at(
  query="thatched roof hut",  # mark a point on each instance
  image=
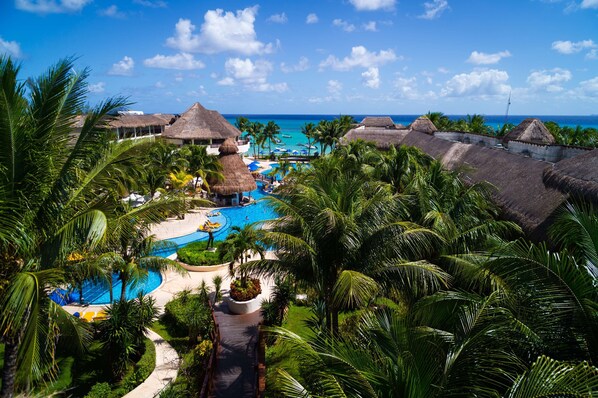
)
(198, 123)
(423, 125)
(577, 176)
(237, 178)
(137, 121)
(530, 130)
(378, 121)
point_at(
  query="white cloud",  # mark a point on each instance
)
(334, 87)
(549, 80)
(344, 25)
(370, 26)
(569, 47)
(159, 85)
(221, 31)
(278, 18)
(590, 87)
(124, 67)
(97, 88)
(589, 4)
(407, 87)
(371, 77)
(51, 6)
(479, 83)
(181, 61)
(480, 58)
(301, 66)
(178, 77)
(227, 81)
(311, 18)
(11, 48)
(151, 3)
(360, 57)
(434, 9)
(592, 54)
(372, 5)
(112, 12)
(443, 70)
(253, 75)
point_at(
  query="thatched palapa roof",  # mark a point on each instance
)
(530, 130)
(237, 177)
(130, 121)
(423, 125)
(201, 124)
(378, 121)
(577, 176)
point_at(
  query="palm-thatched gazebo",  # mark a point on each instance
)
(200, 126)
(577, 176)
(237, 178)
(423, 125)
(530, 130)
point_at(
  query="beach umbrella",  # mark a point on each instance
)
(255, 163)
(253, 167)
(295, 152)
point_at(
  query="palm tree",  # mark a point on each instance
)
(240, 245)
(477, 124)
(329, 239)
(271, 130)
(440, 120)
(204, 166)
(123, 331)
(180, 180)
(133, 248)
(255, 132)
(242, 123)
(309, 129)
(51, 190)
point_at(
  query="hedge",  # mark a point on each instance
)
(196, 254)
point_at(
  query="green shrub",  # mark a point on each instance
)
(250, 291)
(188, 315)
(196, 254)
(100, 390)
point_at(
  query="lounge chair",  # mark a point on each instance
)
(88, 316)
(100, 316)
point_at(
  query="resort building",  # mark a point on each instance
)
(200, 126)
(132, 125)
(237, 178)
(523, 175)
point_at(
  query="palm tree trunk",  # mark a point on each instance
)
(9, 372)
(111, 288)
(123, 288)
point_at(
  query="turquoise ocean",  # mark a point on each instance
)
(293, 140)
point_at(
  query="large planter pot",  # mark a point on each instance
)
(243, 307)
(203, 268)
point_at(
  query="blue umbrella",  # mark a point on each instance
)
(253, 167)
(255, 163)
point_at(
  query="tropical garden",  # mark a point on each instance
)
(68, 216)
(415, 287)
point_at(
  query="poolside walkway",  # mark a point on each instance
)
(167, 366)
(236, 373)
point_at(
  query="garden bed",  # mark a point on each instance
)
(196, 258)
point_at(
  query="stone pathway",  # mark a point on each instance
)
(235, 372)
(167, 365)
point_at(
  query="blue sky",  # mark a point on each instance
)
(319, 56)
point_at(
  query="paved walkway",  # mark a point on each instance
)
(235, 372)
(167, 365)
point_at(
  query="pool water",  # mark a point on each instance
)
(97, 293)
(229, 217)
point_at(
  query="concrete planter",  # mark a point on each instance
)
(243, 307)
(204, 268)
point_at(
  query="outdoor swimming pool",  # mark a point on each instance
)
(96, 293)
(229, 217)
